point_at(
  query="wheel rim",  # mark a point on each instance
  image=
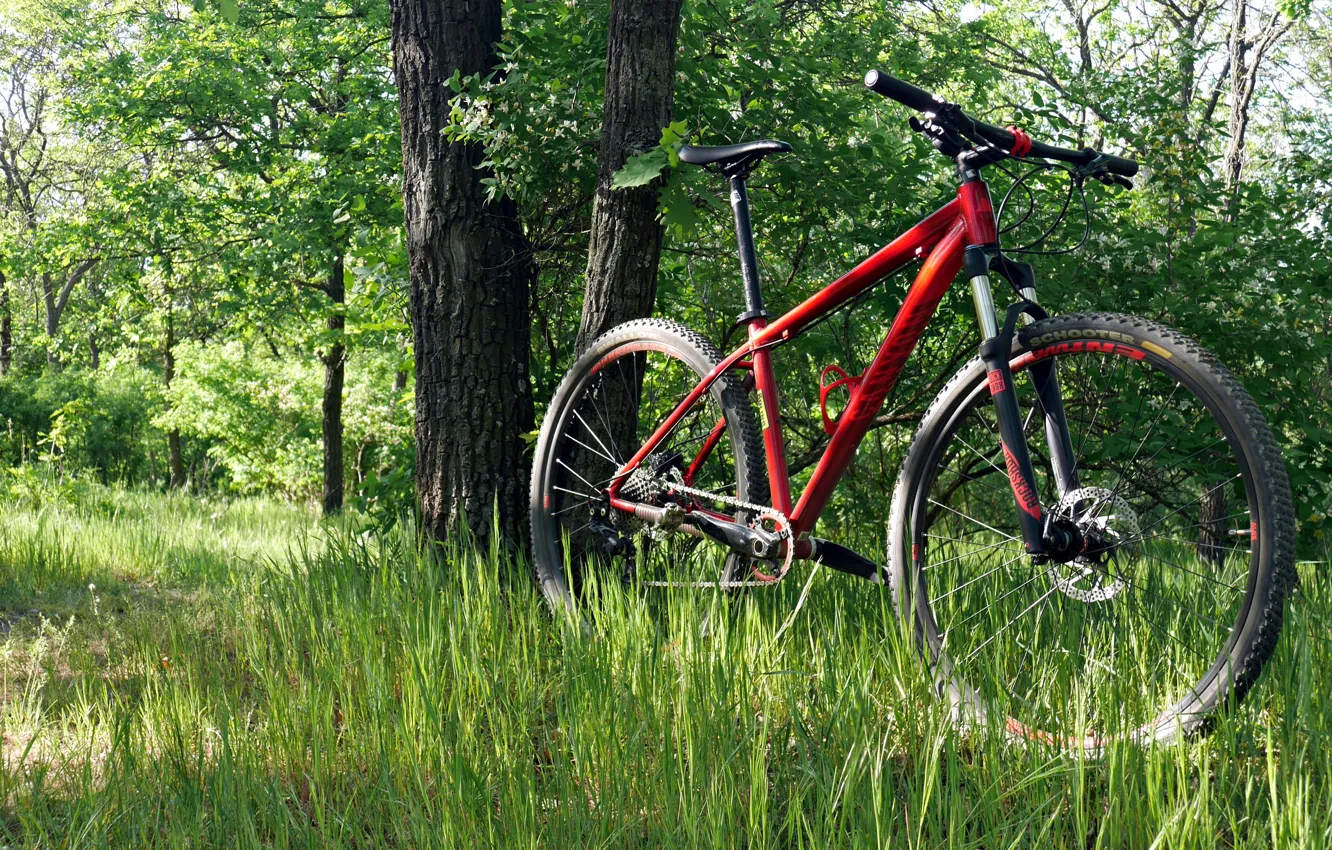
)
(1134, 642)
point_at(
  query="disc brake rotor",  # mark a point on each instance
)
(1104, 516)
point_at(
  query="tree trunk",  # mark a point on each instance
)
(363, 455)
(335, 360)
(1246, 53)
(52, 321)
(471, 270)
(55, 302)
(1211, 526)
(175, 459)
(626, 237)
(1240, 93)
(6, 328)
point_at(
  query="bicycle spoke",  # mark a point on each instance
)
(1007, 625)
(608, 452)
(964, 554)
(589, 484)
(973, 519)
(972, 581)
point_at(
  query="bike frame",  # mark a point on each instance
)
(941, 240)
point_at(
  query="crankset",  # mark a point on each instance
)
(766, 539)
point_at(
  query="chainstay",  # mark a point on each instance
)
(757, 510)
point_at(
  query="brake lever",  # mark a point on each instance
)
(1098, 169)
(943, 138)
(1115, 179)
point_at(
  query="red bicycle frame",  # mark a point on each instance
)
(940, 240)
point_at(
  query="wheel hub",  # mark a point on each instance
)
(1109, 531)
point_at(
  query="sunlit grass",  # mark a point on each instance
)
(236, 676)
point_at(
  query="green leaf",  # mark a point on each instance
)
(676, 209)
(230, 10)
(641, 170)
(673, 137)
(674, 134)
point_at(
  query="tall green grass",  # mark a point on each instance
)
(181, 674)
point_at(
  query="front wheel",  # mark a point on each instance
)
(1181, 499)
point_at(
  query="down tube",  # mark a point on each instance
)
(922, 299)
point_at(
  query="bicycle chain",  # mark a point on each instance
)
(759, 512)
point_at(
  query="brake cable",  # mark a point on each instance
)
(1075, 181)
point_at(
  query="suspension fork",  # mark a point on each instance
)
(995, 350)
(1045, 379)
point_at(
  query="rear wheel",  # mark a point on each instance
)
(611, 401)
(1185, 515)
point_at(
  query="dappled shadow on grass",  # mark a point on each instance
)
(126, 547)
(368, 696)
(96, 592)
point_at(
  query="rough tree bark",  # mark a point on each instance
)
(626, 237)
(471, 270)
(1211, 525)
(335, 363)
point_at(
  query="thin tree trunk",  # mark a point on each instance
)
(175, 459)
(625, 245)
(6, 327)
(55, 302)
(363, 454)
(52, 321)
(1245, 60)
(1240, 94)
(335, 360)
(1211, 528)
(471, 270)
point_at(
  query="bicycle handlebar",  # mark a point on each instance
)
(922, 101)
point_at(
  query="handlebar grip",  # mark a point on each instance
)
(902, 92)
(1123, 166)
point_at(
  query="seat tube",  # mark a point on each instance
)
(765, 378)
(770, 423)
(995, 349)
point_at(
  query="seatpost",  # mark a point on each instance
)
(744, 238)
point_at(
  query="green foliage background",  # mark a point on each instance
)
(212, 159)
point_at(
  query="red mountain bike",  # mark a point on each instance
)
(1091, 536)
